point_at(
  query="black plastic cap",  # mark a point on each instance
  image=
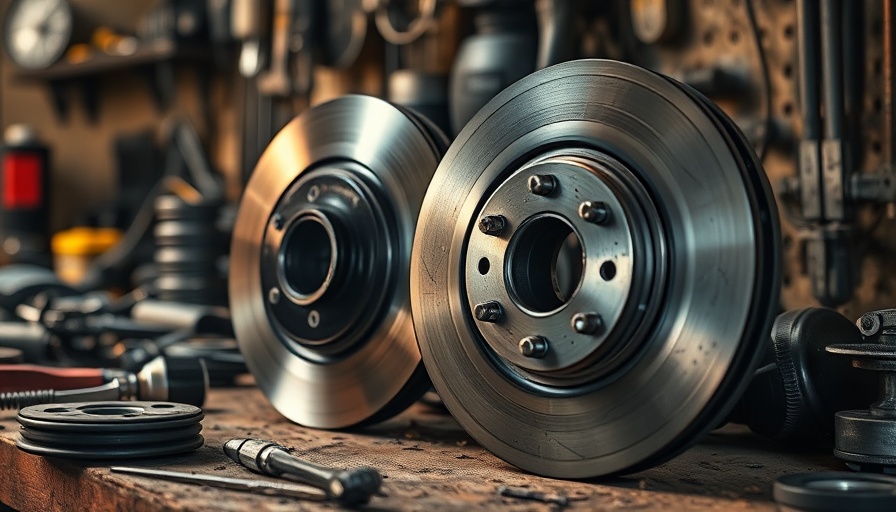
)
(187, 380)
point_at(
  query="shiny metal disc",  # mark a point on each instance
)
(320, 262)
(594, 269)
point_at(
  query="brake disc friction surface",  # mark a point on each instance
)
(594, 265)
(320, 262)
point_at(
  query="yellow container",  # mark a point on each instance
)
(74, 249)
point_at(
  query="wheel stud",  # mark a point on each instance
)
(492, 224)
(490, 311)
(542, 184)
(533, 346)
(594, 211)
(587, 323)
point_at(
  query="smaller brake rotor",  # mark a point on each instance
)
(110, 430)
(320, 262)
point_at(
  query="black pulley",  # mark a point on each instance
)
(320, 260)
(595, 267)
(110, 430)
(799, 386)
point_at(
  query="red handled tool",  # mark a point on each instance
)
(164, 378)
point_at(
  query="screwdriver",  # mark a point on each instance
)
(173, 379)
(346, 486)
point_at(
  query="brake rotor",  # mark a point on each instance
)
(595, 266)
(320, 262)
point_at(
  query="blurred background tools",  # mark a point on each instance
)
(162, 379)
(597, 263)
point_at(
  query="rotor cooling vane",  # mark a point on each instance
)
(320, 258)
(594, 268)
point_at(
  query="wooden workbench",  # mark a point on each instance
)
(428, 461)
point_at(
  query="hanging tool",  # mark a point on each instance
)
(556, 43)
(234, 484)
(824, 169)
(347, 486)
(164, 378)
(250, 24)
(276, 80)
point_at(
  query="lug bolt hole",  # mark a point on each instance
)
(484, 266)
(608, 271)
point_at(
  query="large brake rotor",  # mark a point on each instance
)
(595, 265)
(320, 262)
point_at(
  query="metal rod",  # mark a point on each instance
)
(834, 169)
(853, 80)
(832, 68)
(889, 67)
(809, 147)
(234, 484)
(807, 20)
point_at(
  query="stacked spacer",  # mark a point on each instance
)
(110, 430)
(189, 251)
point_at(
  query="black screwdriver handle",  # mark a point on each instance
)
(347, 486)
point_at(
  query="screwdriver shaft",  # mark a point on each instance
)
(234, 484)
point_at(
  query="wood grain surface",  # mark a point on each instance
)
(428, 463)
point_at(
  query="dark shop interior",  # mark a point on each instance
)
(521, 255)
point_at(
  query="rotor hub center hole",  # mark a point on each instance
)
(308, 255)
(545, 263)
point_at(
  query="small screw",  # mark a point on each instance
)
(492, 224)
(277, 221)
(534, 346)
(274, 295)
(587, 323)
(594, 211)
(490, 311)
(542, 184)
(313, 193)
(869, 324)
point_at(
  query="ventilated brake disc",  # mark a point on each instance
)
(595, 265)
(320, 262)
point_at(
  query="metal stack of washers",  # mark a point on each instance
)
(866, 439)
(189, 251)
(110, 430)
